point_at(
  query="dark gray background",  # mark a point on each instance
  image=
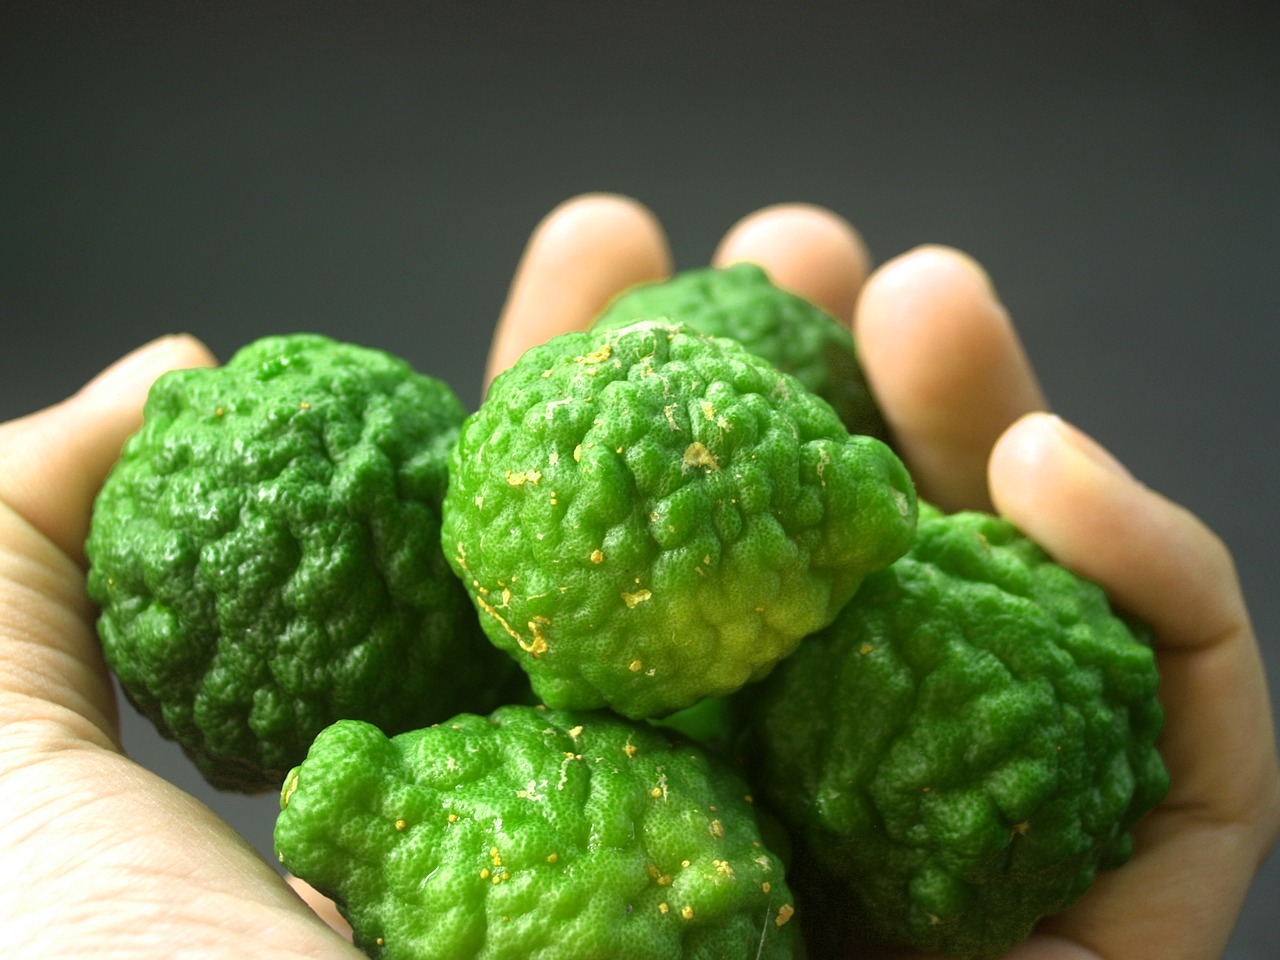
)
(372, 170)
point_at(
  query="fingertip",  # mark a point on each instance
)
(804, 248)
(581, 255)
(907, 295)
(598, 217)
(943, 359)
(1155, 559)
(57, 458)
(128, 379)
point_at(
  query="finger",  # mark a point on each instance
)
(579, 257)
(805, 249)
(1162, 565)
(1159, 563)
(945, 364)
(321, 905)
(56, 459)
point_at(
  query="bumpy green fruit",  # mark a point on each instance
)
(966, 745)
(796, 336)
(645, 516)
(266, 554)
(534, 833)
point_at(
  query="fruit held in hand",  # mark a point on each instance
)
(266, 554)
(967, 744)
(741, 303)
(534, 833)
(645, 516)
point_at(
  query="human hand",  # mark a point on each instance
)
(968, 418)
(106, 858)
(101, 857)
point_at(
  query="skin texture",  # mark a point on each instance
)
(964, 748)
(741, 303)
(265, 554)
(626, 483)
(136, 866)
(570, 835)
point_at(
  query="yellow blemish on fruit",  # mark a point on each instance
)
(553, 458)
(538, 645)
(723, 868)
(716, 828)
(866, 648)
(1021, 828)
(290, 789)
(576, 732)
(519, 477)
(766, 887)
(400, 825)
(304, 405)
(656, 792)
(708, 411)
(687, 913)
(696, 454)
(785, 913)
(484, 873)
(452, 818)
(663, 908)
(670, 411)
(635, 666)
(488, 608)
(553, 858)
(218, 412)
(633, 600)
(596, 356)
(597, 556)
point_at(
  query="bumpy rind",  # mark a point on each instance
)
(741, 302)
(645, 516)
(534, 832)
(967, 744)
(266, 555)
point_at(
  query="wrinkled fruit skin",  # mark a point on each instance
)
(266, 555)
(794, 335)
(534, 833)
(967, 744)
(645, 516)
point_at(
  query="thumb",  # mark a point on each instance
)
(55, 460)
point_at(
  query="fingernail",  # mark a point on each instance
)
(1082, 443)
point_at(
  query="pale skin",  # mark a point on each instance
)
(104, 859)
